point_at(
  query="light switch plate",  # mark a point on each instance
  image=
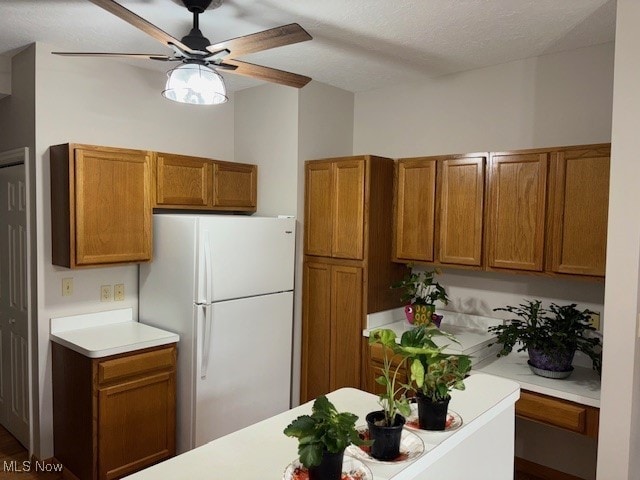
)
(595, 320)
(67, 287)
(118, 292)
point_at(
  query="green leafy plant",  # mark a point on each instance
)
(420, 287)
(393, 400)
(324, 430)
(433, 372)
(561, 328)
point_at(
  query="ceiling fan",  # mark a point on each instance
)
(196, 80)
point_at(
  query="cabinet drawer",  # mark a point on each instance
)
(132, 365)
(558, 413)
(376, 352)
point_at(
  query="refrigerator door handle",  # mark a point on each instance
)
(206, 340)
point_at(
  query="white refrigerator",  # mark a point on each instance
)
(225, 284)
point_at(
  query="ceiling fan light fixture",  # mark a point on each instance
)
(196, 84)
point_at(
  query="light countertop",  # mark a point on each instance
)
(102, 334)
(263, 451)
(582, 386)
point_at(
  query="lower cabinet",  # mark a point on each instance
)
(332, 328)
(373, 368)
(116, 415)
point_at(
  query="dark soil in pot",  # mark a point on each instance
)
(330, 467)
(386, 439)
(432, 415)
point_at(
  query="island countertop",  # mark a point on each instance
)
(263, 451)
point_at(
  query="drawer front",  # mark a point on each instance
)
(552, 411)
(136, 364)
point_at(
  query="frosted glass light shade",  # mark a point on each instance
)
(196, 84)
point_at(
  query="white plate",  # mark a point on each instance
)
(411, 447)
(454, 421)
(353, 468)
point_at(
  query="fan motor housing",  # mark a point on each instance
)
(197, 6)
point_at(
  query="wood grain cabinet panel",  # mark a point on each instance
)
(460, 210)
(347, 266)
(100, 205)
(559, 413)
(235, 186)
(579, 193)
(517, 205)
(348, 209)
(415, 208)
(183, 181)
(116, 415)
(318, 222)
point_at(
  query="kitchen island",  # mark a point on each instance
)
(481, 448)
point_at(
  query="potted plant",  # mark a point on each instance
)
(385, 426)
(422, 291)
(322, 438)
(434, 373)
(551, 337)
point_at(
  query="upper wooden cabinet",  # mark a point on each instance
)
(415, 209)
(579, 200)
(193, 183)
(517, 205)
(100, 205)
(183, 181)
(334, 208)
(439, 208)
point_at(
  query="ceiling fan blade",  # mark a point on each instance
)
(140, 23)
(145, 56)
(268, 74)
(257, 42)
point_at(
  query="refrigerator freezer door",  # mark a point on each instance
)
(249, 256)
(248, 375)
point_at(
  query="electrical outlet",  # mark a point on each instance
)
(67, 287)
(118, 292)
(594, 321)
(105, 293)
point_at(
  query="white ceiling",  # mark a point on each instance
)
(357, 45)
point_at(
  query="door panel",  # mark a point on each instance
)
(235, 185)
(517, 217)
(249, 373)
(347, 240)
(182, 180)
(14, 388)
(318, 209)
(415, 209)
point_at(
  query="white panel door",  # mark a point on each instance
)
(249, 255)
(248, 373)
(14, 384)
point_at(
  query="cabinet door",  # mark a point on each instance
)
(347, 240)
(415, 209)
(136, 424)
(461, 197)
(517, 211)
(318, 209)
(316, 330)
(112, 206)
(183, 181)
(579, 181)
(235, 186)
(346, 326)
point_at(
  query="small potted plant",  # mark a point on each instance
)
(434, 373)
(322, 438)
(422, 291)
(551, 337)
(385, 426)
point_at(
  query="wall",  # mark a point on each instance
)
(278, 128)
(5, 76)
(104, 103)
(559, 99)
(619, 441)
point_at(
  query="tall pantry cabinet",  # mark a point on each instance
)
(347, 266)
